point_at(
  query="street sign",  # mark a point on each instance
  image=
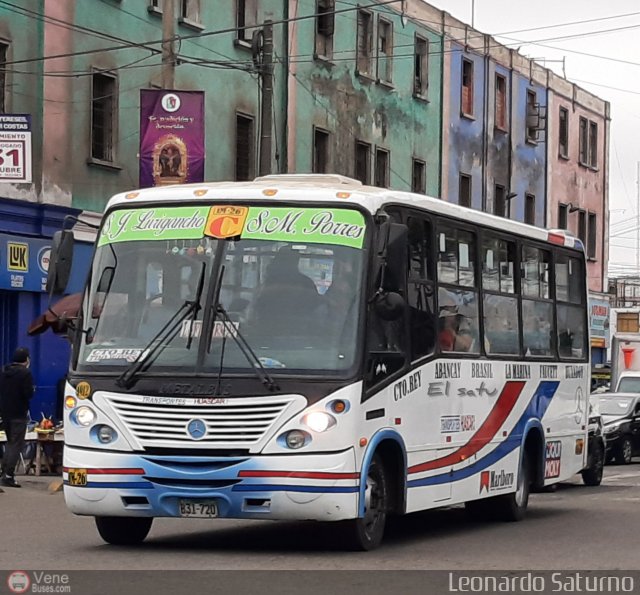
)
(15, 148)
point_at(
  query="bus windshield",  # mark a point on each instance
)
(296, 303)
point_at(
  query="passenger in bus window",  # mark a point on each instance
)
(453, 335)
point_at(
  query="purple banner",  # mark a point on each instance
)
(171, 137)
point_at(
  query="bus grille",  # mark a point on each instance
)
(242, 423)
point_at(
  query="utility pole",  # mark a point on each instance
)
(168, 44)
(266, 114)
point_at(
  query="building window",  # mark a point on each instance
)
(190, 10)
(563, 133)
(365, 42)
(592, 236)
(563, 216)
(155, 5)
(499, 201)
(385, 50)
(245, 169)
(593, 144)
(325, 26)
(466, 99)
(363, 162)
(246, 19)
(104, 102)
(627, 322)
(501, 102)
(533, 117)
(583, 141)
(419, 177)
(381, 173)
(530, 209)
(465, 191)
(421, 68)
(320, 151)
(582, 226)
(4, 50)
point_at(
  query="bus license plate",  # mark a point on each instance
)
(198, 509)
(77, 477)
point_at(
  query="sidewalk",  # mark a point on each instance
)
(32, 483)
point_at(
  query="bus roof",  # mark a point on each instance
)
(328, 188)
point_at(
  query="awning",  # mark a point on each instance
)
(56, 316)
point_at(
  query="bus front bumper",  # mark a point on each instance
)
(303, 487)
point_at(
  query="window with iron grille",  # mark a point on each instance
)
(4, 49)
(533, 116)
(421, 68)
(190, 10)
(381, 174)
(530, 209)
(104, 103)
(419, 176)
(320, 151)
(365, 41)
(592, 236)
(246, 19)
(563, 216)
(245, 168)
(385, 50)
(499, 201)
(465, 190)
(363, 162)
(563, 133)
(466, 99)
(501, 102)
(325, 25)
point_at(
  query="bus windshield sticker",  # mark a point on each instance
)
(343, 227)
(101, 355)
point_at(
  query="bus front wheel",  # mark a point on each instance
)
(366, 533)
(118, 530)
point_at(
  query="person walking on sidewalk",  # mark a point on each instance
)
(16, 390)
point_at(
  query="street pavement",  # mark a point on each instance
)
(575, 527)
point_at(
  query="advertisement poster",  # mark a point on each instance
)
(171, 137)
(15, 148)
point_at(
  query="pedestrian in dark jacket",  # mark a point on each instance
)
(16, 390)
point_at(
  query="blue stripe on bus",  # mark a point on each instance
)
(266, 487)
(536, 408)
(125, 485)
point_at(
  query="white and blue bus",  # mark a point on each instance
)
(305, 347)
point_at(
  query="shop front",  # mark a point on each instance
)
(599, 313)
(26, 230)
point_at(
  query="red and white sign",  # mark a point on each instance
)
(15, 148)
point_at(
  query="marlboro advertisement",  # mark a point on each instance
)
(171, 137)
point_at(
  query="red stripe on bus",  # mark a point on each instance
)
(299, 474)
(485, 433)
(108, 471)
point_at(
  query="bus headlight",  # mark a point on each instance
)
(319, 421)
(84, 416)
(106, 434)
(296, 439)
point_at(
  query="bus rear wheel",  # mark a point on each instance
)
(512, 507)
(118, 530)
(366, 533)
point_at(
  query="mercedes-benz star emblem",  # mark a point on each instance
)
(197, 429)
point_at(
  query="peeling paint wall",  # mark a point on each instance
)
(331, 95)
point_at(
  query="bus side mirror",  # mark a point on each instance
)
(60, 262)
(389, 306)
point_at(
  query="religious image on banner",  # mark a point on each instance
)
(171, 137)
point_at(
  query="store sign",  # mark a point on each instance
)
(23, 262)
(599, 312)
(15, 148)
(171, 137)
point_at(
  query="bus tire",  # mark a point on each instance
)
(119, 530)
(512, 507)
(592, 475)
(366, 533)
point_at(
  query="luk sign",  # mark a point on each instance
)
(15, 148)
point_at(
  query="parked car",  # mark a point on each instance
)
(596, 448)
(621, 418)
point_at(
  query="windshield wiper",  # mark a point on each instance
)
(164, 336)
(234, 331)
(245, 348)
